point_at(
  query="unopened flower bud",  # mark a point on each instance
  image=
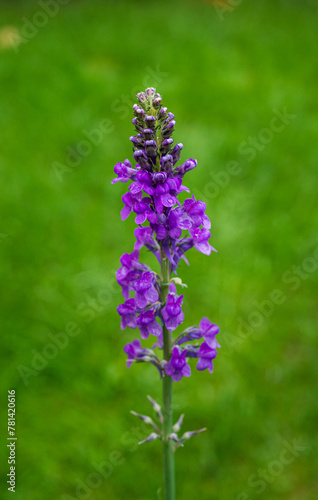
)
(168, 128)
(141, 158)
(141, 96)
(157, 102)
(148, 133)
(178, 424)
(152, 437)
(136, 140)
(190, 434)
(151, 148)
(166, 145)
(150, 121)
(163, 113)
(166, 163)
(173, 436)
(159, 177)
(156, 407)
(176, 152)
(150, 92)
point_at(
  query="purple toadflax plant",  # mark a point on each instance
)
(156, 308)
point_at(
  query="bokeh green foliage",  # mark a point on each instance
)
(61, 242)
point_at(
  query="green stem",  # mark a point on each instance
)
(168, 454)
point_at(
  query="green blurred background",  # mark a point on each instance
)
(69, 73)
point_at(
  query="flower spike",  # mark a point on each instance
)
(169, 227)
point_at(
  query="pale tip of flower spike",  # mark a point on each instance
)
(190, 434)
(151, 437)
(186, 436)
(147, 420)
(156, 407)
(176, 427)
(173, 436)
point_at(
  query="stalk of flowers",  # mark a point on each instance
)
(169, 229)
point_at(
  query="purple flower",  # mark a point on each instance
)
(135, 352)
(148, 325)
(129, 202)
(176, 186)
(186, 167)
(195, 210)
(209, 331)
(206, 354)
(144, 182)
(200, 239)
(160, 227)
(159, 177)
(143, 235)
(130, 271)
(145, 290)
(143, 211)
(191, 333)
(163, 198)
(172, 312)
(182, 246)
(176, 152)
(177, 367)
(124, 172)
(127, 311)
(177, 221)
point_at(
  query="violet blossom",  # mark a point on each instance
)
(148, 325)
(145, 289)
(172, 312)
(177, 366)
(135, 352)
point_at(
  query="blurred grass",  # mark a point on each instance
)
(62, 241)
